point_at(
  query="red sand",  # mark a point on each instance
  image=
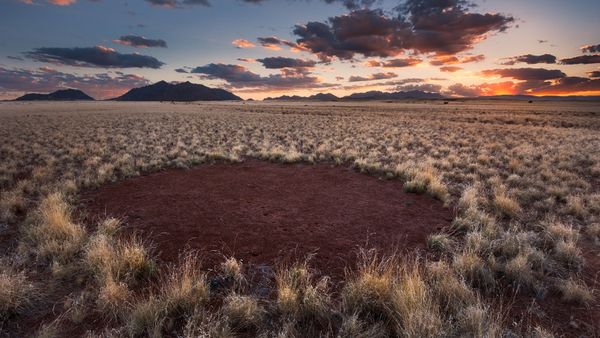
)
(262, 212)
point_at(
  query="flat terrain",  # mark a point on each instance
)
(264, 213)
(502, 197)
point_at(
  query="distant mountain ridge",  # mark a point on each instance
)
(316, 97)
(59, 95)
(366, 96)
(402, 95)
(185, 91)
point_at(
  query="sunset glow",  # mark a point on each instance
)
(263, 48)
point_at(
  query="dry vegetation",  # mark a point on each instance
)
(524, 180)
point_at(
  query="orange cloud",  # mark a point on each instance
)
(242, 43)
(62, 2)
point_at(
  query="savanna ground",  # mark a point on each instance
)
(519, 258)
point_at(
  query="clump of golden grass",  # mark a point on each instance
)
(16, 291)
(186, 287)
(417, 312)
(573, 291)
(506, 206)
(146, 318)
(243, 312)
(204, 324)
(439, 242)
(473, 269)
(300, 295)
(232, 270)
(54, 234)
(182, 291)
(119, 259)
(451, 291)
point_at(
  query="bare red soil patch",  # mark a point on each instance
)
(261, 212)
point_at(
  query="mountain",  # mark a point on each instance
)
(377, 95)
(316, 97)
(59, 95)
(185, 91)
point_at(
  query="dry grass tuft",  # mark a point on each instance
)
(573, 291)
(54, 234)
(243, 312)
(300, 295)
(16, 292)
(186, 287)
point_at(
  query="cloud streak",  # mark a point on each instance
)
(140, 42)
(98, 56)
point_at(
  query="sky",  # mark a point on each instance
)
(266, 48)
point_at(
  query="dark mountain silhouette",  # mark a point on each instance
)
(185, 91)
(316, 97)
(377, 95)
(59, 95)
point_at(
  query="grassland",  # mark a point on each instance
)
(524, 180)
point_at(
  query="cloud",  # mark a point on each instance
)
(591, 48)
(16, 81)
(53, 2)
(242, 43)
(568, 85)
(424, 87)
(525, 73)
(530, 59)
(421, 26)
(582, 60)
(283, 62)
(275, 43)
(440, 60)
(177, 3)
(450, 69)
(459, 89)
(376, 76)
(140, 41)
(395, 63)
(98, 56)
(594, 74)
(238, 76)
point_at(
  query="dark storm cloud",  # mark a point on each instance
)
(240, 77)
(395, 63)
(376, 76)
(283, 62)
(93, 57)
(526, 73)
(423, 26)
(582, 60)
(45, 79)
(140, 41)
(530, 59)
(594, 74)
(591, 49)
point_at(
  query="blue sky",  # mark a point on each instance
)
(198, 36)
